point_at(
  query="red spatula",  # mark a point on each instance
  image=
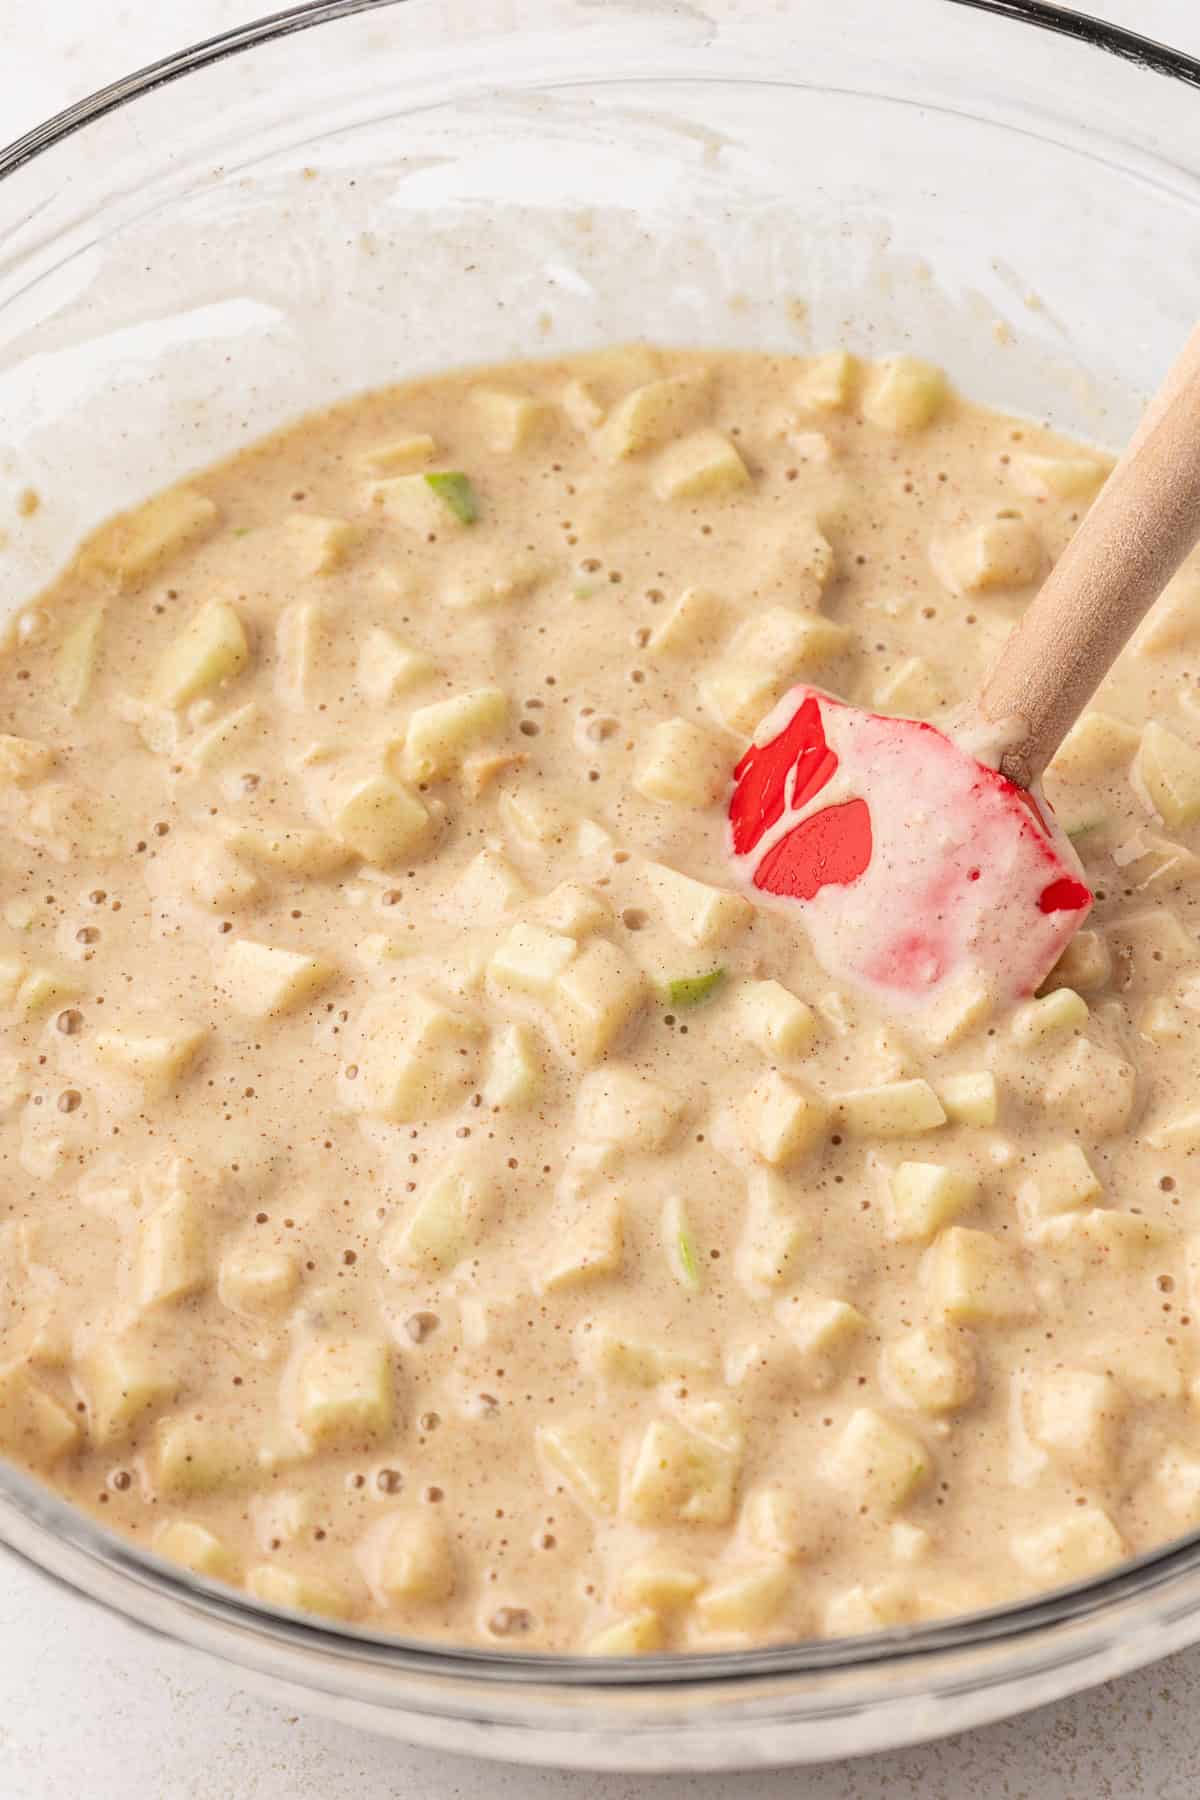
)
(924, 861)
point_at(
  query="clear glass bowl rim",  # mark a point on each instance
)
(98, 1565)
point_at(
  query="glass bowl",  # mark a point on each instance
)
(359, 190)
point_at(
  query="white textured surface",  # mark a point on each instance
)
(91, 1711)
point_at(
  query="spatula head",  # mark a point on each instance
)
(913, 867)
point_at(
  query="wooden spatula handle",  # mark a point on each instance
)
(1141, 526)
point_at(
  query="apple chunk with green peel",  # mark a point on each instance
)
(918, 872)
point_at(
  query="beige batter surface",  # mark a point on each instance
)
(432, 1195)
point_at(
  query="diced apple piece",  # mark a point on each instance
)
(417, 1057)
(652, 413)
(582, 405)
(682, 766)
(263, 981)
(744, 1599)
(1168, 771)
(913, 689)
(962, 1008)
(932, 1368)
(1085, 964)
(33, 1426)
(877, 1463)
(410, 1559)
(297, 652)
(774, 1020)
(615, 1106)
(139, 542)
(1090, 1088)
(812, 447)
(212, 745)
(573, 908)
(827, 383)
(1174, 619)
(442, 1224)
(211, 648)
(694, 912)
(257, 1281)
(171, 1258)
(488, 888)
(740, 695)
(1055, 1015)
(788, 643)
(660, 1582)
(773, 1234)
(121, 1381)
(320, 545)
(400, 455)
(12, 974)
(482, 769)
(194, 1547)
(577, 1453)
(23, 759)
(158, 1053)
(823, 1331)
(434, 501)
(200, 1455)
(704, 464)
(853, 1611)
(1181, 1133)
(892, 1109)
(290, 851)
(780, 1120)
(530, 961)
(909, 1543)
(925, 1197)
(595, 998)
(1105, 1237)
(1147, 860)
(1096, 744)
(1000, 553)
(904, 394)
(1062, 1181)
(1177, 1478)
(438, 734)
(1084, 1543)
(679, 1243)
(42, 988)
(508, 419)
(635, 1636)
(617, 1356)
(78, 655)
(274, 1586)
(772, 1523)
(974, 1278)
(1060, 477)
(588, 1245)
(376, 817)
(1076, 1415)
(693, 622)
(387, 666)
(970, 1098)
(678, 1477)
(1149, 942)
(533, 817)
(344, 1391)
(514, 1074)
(493, 583)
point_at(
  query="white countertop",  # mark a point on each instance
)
(90, 1710)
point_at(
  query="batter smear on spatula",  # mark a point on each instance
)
(913, 865)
